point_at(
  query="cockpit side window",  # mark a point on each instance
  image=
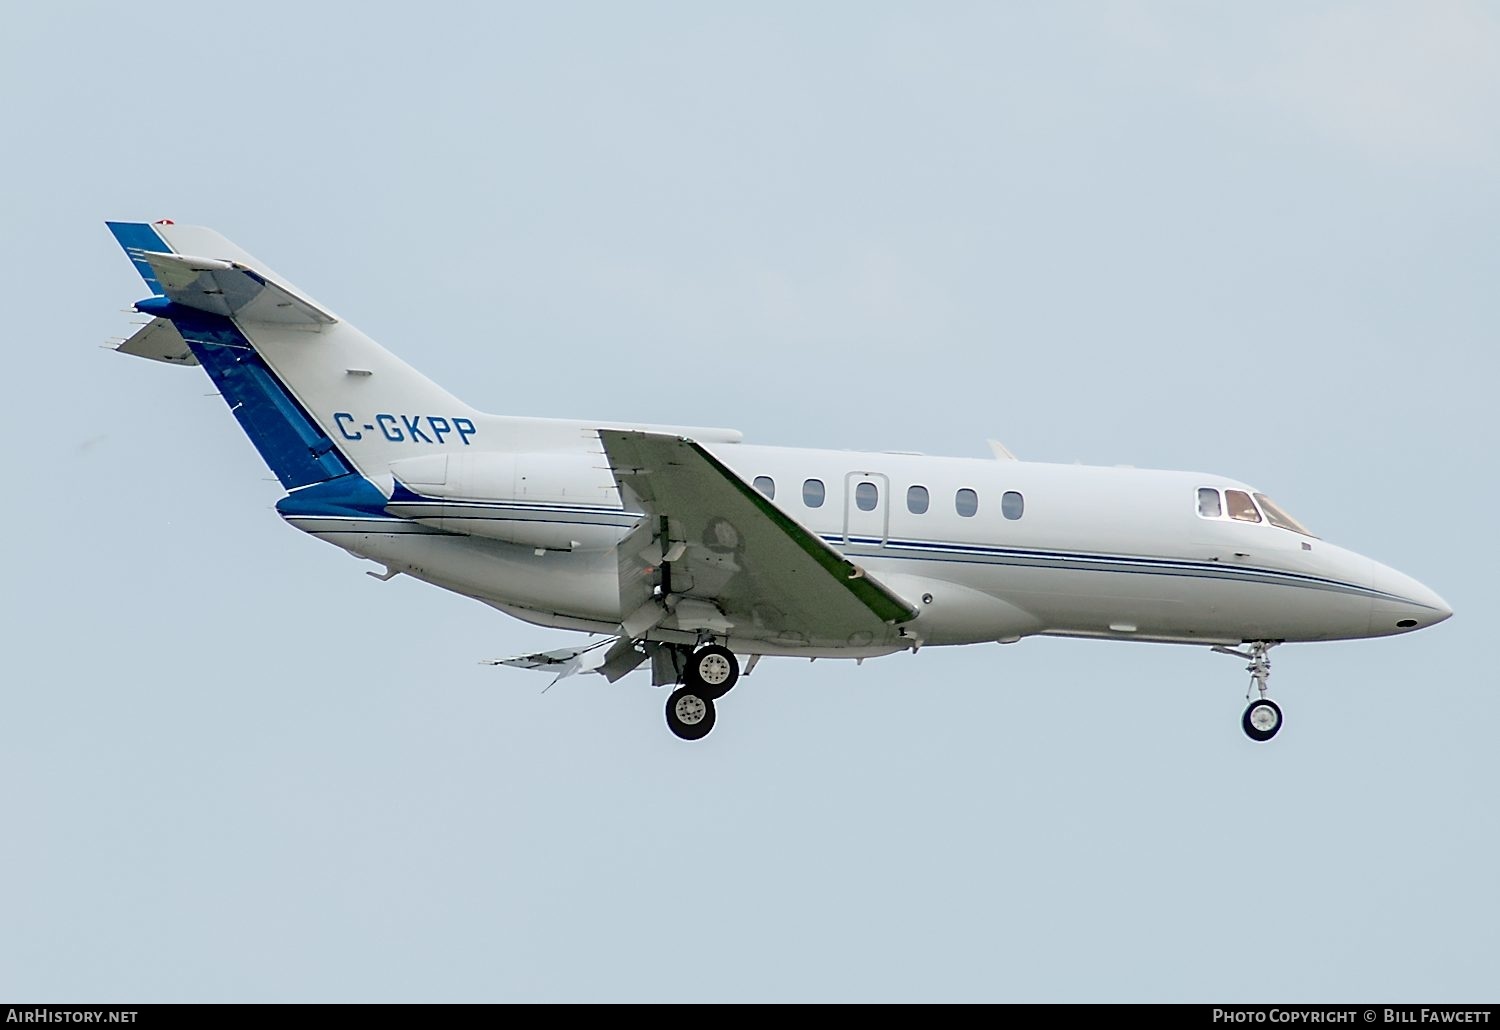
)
(1241, 506)
(1209, 505)
(1277, 516)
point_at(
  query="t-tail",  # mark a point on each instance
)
(328, 409)
(344, 424)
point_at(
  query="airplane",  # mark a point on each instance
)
(685, 548)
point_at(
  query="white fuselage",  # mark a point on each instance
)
(656, 536)
(1001, 550)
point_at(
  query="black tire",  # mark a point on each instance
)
(712, 671)
(690, 715)
(1259, 712)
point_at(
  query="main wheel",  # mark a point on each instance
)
(1262, 719)
(713, 670)
(690, 715)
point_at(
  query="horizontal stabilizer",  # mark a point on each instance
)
(230, 288)
(159, 340)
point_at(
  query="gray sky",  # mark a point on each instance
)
(1258, 240)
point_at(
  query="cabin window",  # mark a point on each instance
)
(1209, 505)
(1276, 515)
(766, 485)
(966, 502)
(917, 500)
(812, 493)
(866, 496)
(1241, 506)
(1012, 505)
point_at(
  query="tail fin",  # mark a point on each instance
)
(316, 397)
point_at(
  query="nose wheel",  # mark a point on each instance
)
(1262, 720)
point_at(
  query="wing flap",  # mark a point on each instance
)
(734, 561)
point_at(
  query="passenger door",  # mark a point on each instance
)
(867, 512)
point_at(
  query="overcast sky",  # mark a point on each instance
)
(1259, 240)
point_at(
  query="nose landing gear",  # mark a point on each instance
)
(1262, 720)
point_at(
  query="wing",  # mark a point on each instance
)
(565, 662)
(730, 561)
(547, 659)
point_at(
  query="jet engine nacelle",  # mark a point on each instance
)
(535, 500)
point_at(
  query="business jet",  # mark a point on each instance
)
(684, 549)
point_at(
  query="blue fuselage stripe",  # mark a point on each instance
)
(931, 550)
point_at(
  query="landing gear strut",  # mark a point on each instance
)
(710, 672)
(1262, 719)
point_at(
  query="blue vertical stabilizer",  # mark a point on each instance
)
(288, 439)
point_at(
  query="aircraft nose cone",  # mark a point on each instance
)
(1403, 604)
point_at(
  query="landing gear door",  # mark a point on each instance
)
(867, 511)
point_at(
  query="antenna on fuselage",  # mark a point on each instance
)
(1001, 452)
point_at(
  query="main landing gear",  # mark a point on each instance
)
(708, 674)
(690, 715)
(1262, 719)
